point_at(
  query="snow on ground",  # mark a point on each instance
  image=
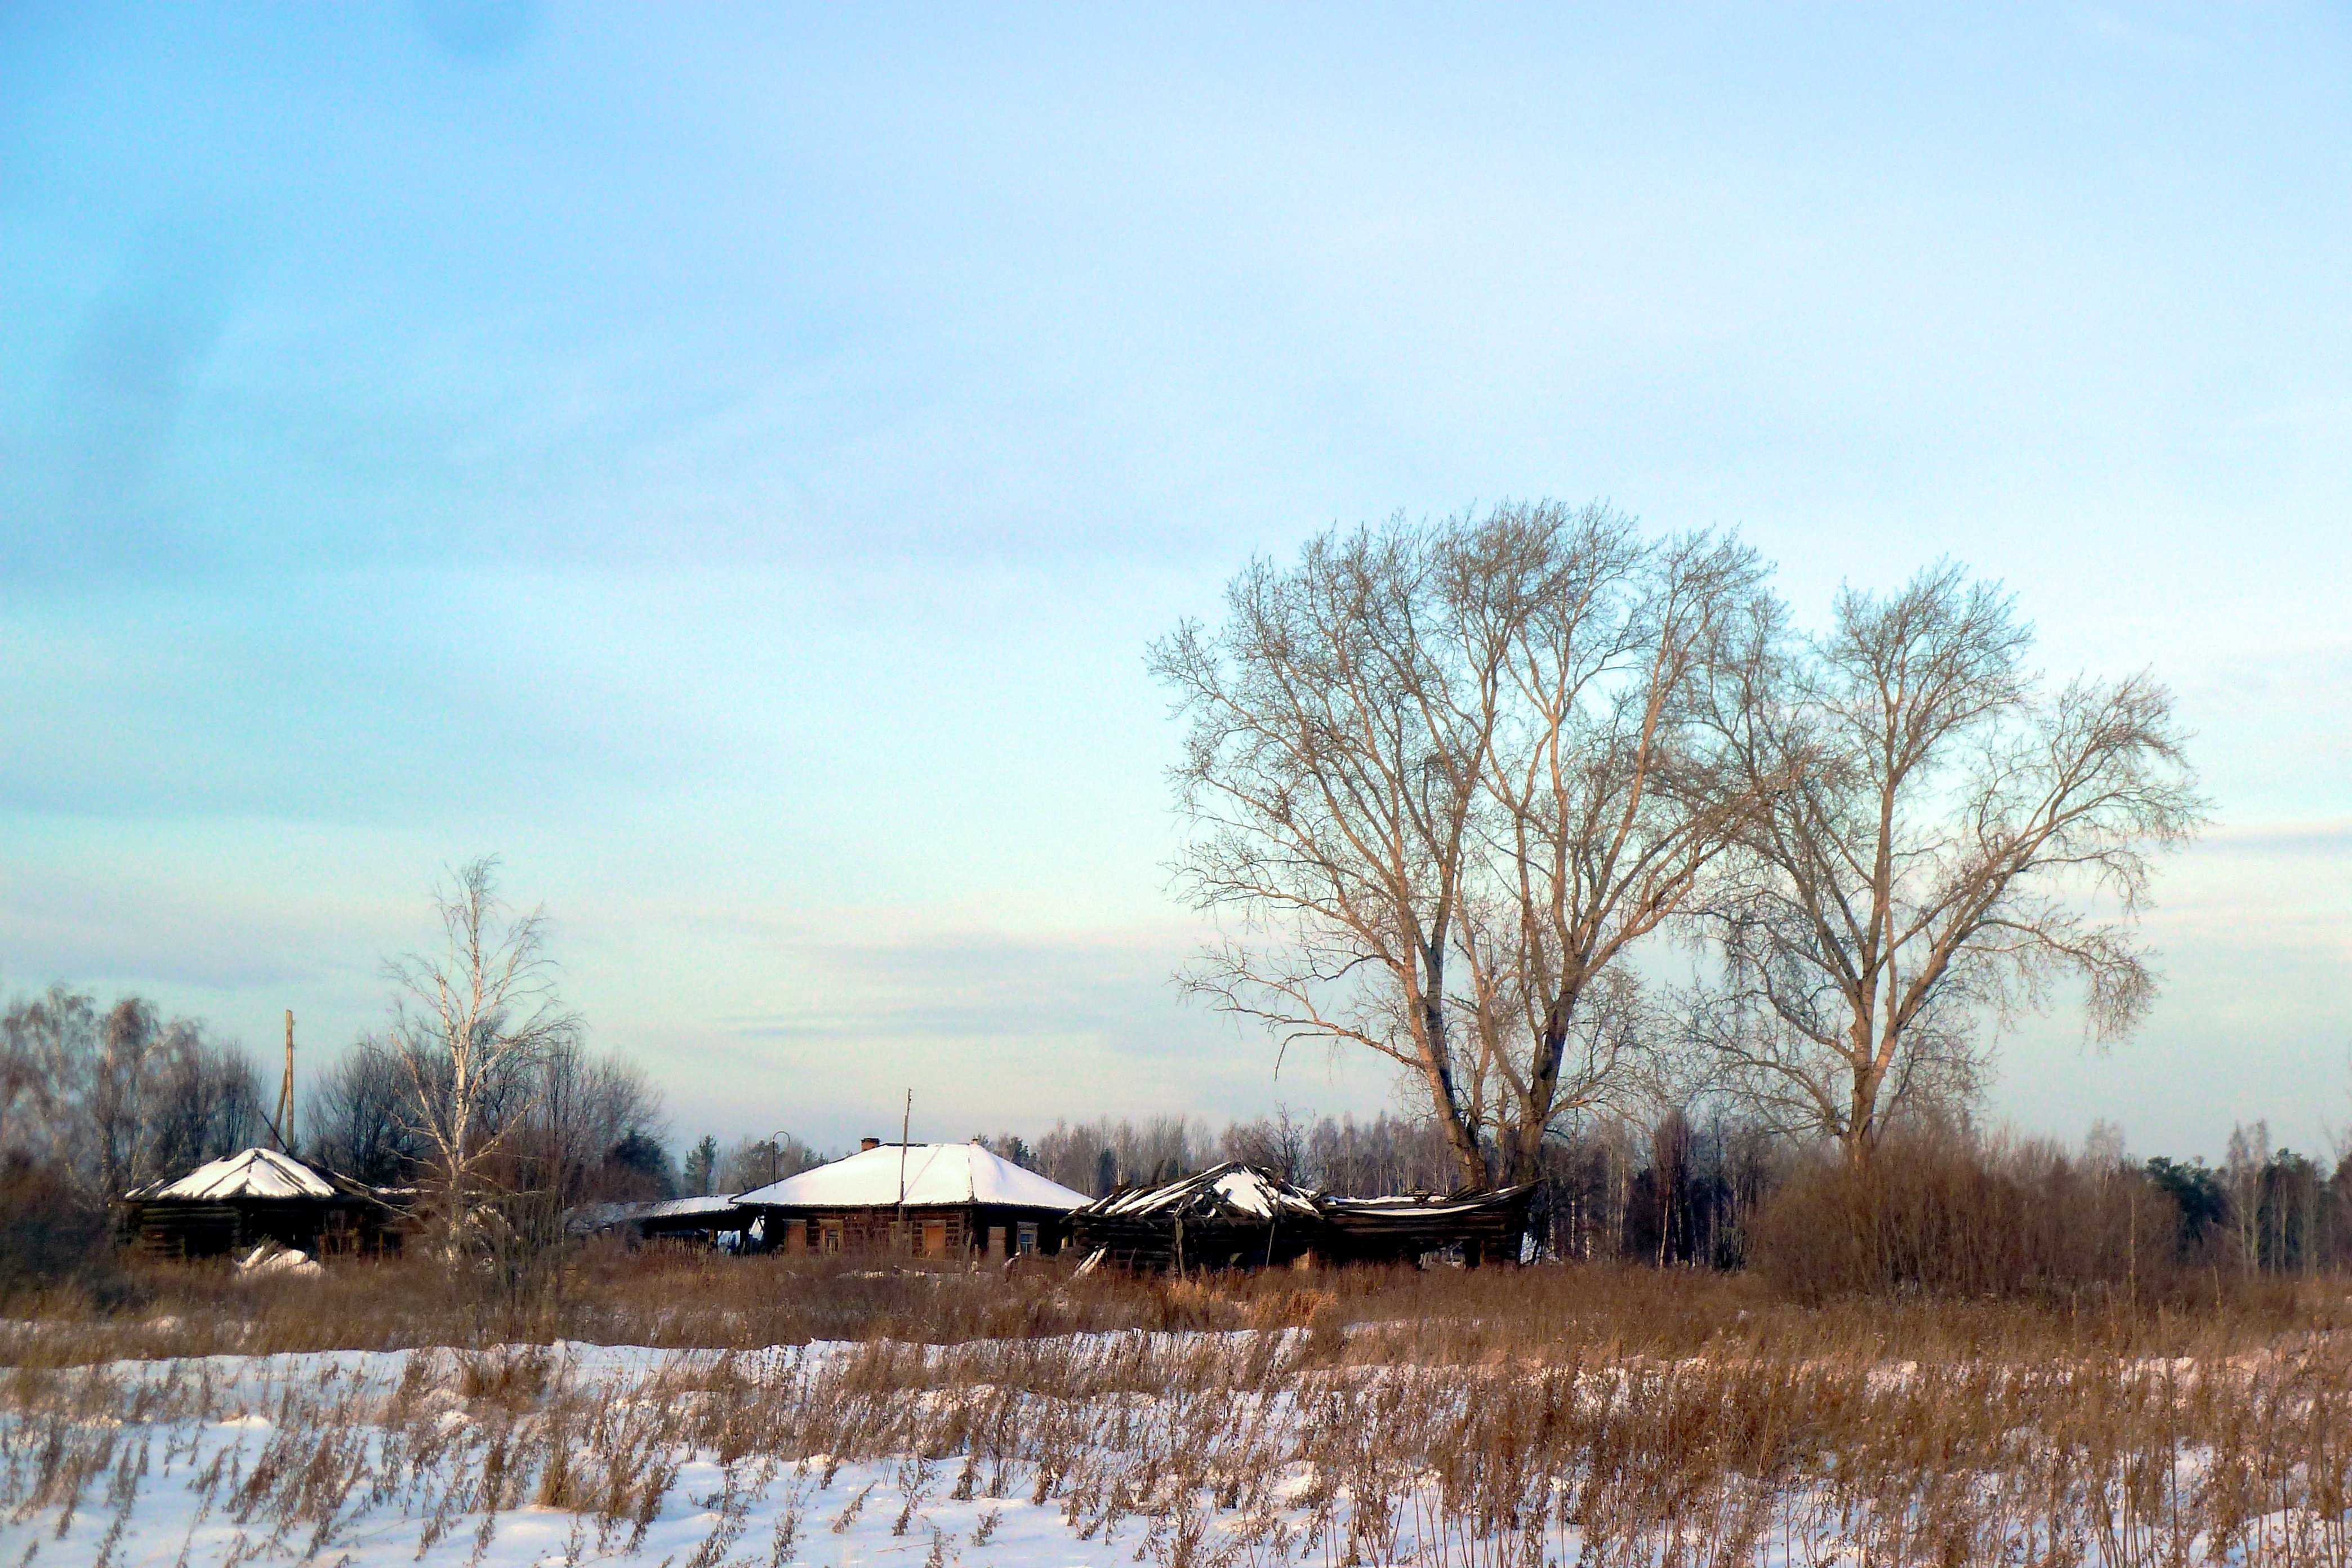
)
(1200, 1450)
(856, 1520)
(814, 1511)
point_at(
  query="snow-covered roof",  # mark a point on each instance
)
(1426, 1205)
(936, 1175)
(255, 1174)
(718, 1208)
(587, 1219)
(687, 1208)
(1231, 1188)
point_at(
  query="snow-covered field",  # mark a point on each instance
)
(1255, 1448)
(349, 1479)
(434, 1456)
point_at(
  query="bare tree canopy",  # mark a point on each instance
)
(120, 1096)
(471, 1022)
(1604, 802)
(756, 1162)
(359, 1119)
(1445, 774)
(1932, 826)
(593, 1132)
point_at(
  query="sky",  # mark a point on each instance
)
(729, 463)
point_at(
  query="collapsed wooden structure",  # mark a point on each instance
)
(705, 1218)
(260, 1195)
(926, 1200)
(1238, 1217)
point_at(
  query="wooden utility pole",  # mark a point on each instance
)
(904, 1122)
(286, 1091)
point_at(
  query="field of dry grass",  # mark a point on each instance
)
(774, 1412)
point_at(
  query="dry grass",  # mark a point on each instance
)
(1505, 1417)
(687, 1300)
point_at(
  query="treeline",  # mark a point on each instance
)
(1381, 1156)
(99, 1099)
(95, 1100)
(1936, 1207)
(1385, 1155)
(1938, 1210)
(748, 1162)
(104, 1097)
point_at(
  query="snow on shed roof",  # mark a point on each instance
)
(255, 1174)
(937, 1174)
(689, 1207)
(718, 1208)
(1230, 1188)
(1431, 1204)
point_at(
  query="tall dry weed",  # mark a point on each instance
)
(1501, 1417)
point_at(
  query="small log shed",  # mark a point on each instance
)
(702, 1218)
(261, 1195)
(1485, 1226)
(957, 1200)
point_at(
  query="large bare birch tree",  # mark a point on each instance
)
(1936, 838)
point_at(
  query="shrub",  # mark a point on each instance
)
(1938, 1211)
(48, 1235)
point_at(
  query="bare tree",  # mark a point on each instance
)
(1279, 1145)
(470, 1022)
(1447, 776)
(1340, 723)
(756, 1162)
(1379, 1158)
(204, 1100)
(1930, 827)
(50, 1042)
(27, 1090)
(592, 1129)
(115, 1098)
(1099, 1156)
(358, 1116)
(1606, 800)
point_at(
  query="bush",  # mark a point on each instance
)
(48, 1235)
(1940, 1212)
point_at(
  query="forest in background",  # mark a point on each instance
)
(98, 1098)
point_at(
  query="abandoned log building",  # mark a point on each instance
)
(260, 1195)
(933, 1200)
(701, 1219)
(1237, 1216)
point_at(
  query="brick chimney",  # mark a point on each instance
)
(866, 1143)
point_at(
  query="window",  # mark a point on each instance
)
(832, 1237)
(1029, 1238)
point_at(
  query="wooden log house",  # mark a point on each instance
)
(925, 1200)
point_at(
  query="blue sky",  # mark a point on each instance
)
(730, 461)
